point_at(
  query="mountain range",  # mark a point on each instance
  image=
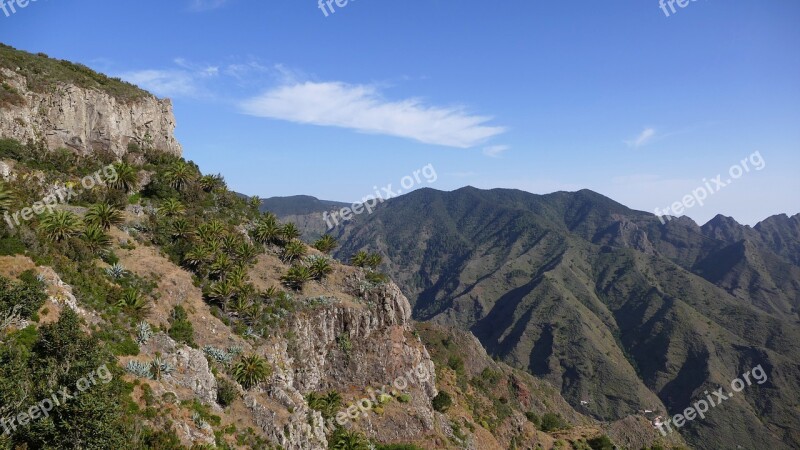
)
(623, 313)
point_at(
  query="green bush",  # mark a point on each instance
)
(601, 443)
(181, 328)
(442, 402)
(226, 392)
(553, 422)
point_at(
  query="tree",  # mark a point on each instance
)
(211, 183)
(222, 292)
(320, 267)
(266, 231)
(293, 250)
(179, 175)
(290, 232)
(104, 216)
(127, 177)
(296, 277)
(254, 203)
(359, 259)
(133, 303)
(96, 239)
(326, 244)
(251, 371)
(171, 207)
(601, 443)
(59, 225)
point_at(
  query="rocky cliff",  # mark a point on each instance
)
(84, 119)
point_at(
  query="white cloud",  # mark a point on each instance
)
(644, 138)
(363, 108)
(164, 83)
(206, 5)
(494, 151)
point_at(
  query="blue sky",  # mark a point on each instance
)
(541, 96)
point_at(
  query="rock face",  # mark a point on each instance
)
(86, 120)
(338, 347)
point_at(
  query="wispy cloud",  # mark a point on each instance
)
(494, 151)
(206, 5)
(644, 138)
(186, 80)
(364, 109)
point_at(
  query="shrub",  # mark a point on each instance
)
(442, 402)
(553, 422)
(601, 443)
(181, 328)
(226, 392)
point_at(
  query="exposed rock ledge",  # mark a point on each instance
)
(86, 120)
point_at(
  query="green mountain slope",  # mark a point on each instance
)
(606, 302)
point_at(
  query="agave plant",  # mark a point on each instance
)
(143, 333)
(117, 271)
(59, 225)
(159, 368)
(180, 229)
(218, 355)
(251, 371)
(139, 369)
(103, 215)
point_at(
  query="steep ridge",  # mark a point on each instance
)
(604, 301)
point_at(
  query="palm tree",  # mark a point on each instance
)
(221, 264)
(210, 231)
(171, 207)
(290, 232)
(293, 250)
(96, 239)
(245, 252)
(374, 260)
(359, 259)
(251, 371)
(180, 229)
(196, 256)
(326, 244)
(60, 225)
(133, 303)
(345, 439)
(266, 232)
(254, 203)
(296, 277)
(320, 267)
(179, 175)
(222, 292)
(6, 198)
(104, 216)
(230, 242)
(127, 177)
(210, 183)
